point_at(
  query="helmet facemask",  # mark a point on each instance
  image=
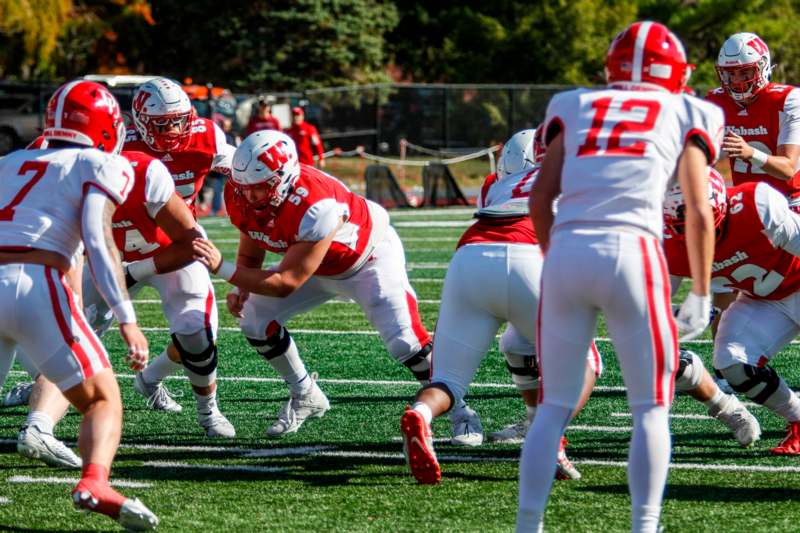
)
(165, 133)
(742, 82)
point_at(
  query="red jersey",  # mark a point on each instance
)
(503, 211)
(257, 123)
(306, 139)
(755, 252)
(136, 233)
(311, 211)
(206, 151)
(766, 123)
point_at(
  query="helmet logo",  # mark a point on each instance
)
(141, 98)
(106, 100)
(758, 45)
(274, 157)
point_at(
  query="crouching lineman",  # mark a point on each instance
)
(53, 199)
(154, 230)
(757, 253)
(334, 243)
(501, 252)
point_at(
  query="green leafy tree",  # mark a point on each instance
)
(29, 31)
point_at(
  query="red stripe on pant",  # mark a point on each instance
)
(66, 333)
(540, 393)
(416, 323)
(84, 327)
(655, 330)
(209, 306)
(673, 329)
(596, 358)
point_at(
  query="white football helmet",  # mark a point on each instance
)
(266, 159)
(675, 206)
(162, 113)
(517, 154)
(744, 66)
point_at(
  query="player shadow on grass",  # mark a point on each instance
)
(707, 493)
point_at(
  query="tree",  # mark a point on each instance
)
(29, 33)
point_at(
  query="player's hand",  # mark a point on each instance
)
(206, 253)
(735, 146)
(321, 163)
(692, 318)
(235, 301)
(138, 350)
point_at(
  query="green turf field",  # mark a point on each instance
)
(346, 472)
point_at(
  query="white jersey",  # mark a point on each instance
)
(41, 195)
(506, 196)
(621, 148)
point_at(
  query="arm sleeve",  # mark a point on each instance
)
(781, 225)
(321, 219)
(789, 132)
(223, 157)
(100, 260)
(159, 187)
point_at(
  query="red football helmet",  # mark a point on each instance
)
(675, 207)
(648, 54)
(85, 113)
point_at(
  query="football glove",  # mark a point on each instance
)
(693, 316)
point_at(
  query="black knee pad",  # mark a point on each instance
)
(758, 375)
(442, 387)
(273, 346)
(529, 367)
(202, 363)
(418, 358)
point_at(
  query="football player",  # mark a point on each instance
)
(762, 119)
(501, 251)
(191, 147)
(611, 154)
(757, 253)
(38, 236)
(334, 243)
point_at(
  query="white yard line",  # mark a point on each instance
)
(600, 429)
(74, 481)
(676, 416)
(223, 468)
(4, 500)
(698, 466)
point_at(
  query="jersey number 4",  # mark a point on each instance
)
(38, 168)
(591, 146)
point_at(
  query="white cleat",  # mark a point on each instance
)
(216, 425)
(739, 420)
(467, 428)
(18, 395)
(513, 434)
(565, 470)
(135, 516)
(313, 404)
(35, 444)
(158, 397)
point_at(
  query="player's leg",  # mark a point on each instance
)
(262, 325)
(693, 379)
(465, 330)
(639, 317)
(566, 324)
(383, 291)
(751, 332)
(73, 358)
(190, 307)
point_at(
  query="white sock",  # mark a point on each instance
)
(424, 410)
(716, 400)
(159, 368)
(206, 403)
(41, 420)
(292, 370)
(648, 463)
(537, 467)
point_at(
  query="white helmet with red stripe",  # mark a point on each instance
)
(517, 154)
(162, 114)
(85, 113)
(266, 160)
(647, 54)
(744, 66)
(675, 206)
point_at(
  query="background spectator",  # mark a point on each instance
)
(263, 118)
(306, 138)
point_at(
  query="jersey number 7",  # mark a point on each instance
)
(591, 146)
(38, 168)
